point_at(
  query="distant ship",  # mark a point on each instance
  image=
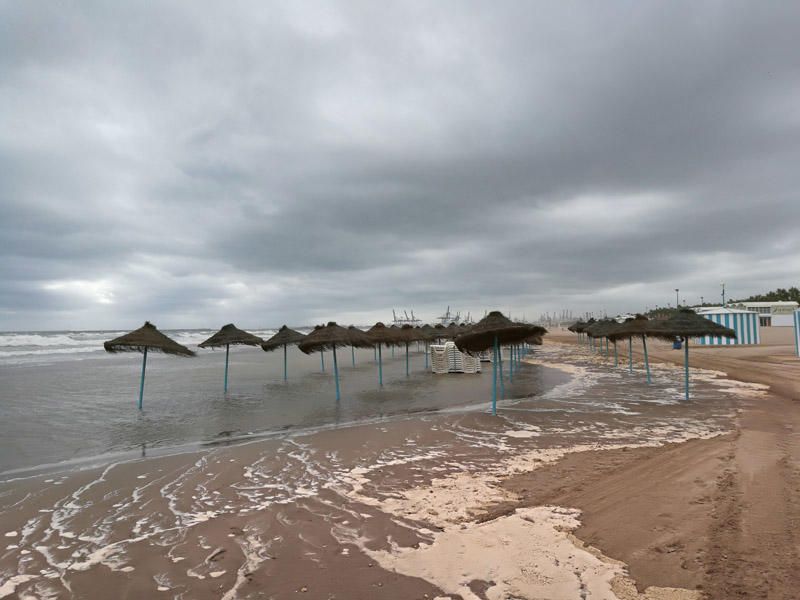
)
(404, 319)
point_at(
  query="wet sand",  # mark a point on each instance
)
(720, 515)
(602, 488)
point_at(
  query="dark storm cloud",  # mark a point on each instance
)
(267, 163)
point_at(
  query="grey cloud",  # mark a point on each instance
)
(196, 163)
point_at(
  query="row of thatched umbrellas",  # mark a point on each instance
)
(493, 331)
(682, 325)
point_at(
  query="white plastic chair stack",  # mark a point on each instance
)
(472, 364)
(439, 362)
(455, 359)
(446, 358)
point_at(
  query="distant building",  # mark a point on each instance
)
(744, 322)
(770, 314)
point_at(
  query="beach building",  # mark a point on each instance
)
(745, 323)
(770, 314)
(796, 318)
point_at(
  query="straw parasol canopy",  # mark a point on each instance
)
(284, 336)
(408, 333)
(331, 335)
(577, 326)
(639, 325)
(147, 337)
(495, 326)
(359, 337)
(686, 323)
(429, 332)
(381, 334)
(230, 335)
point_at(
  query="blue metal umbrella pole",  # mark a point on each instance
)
(686, 364)
(285, 366)
(336, 373)
(227, 353)
(353, 354)
(141, 385)
(406, 359)
(375, 353)
(500, 371)
(630, 354)
(380, 366)
(606, 346)
(322, 360)
(494, 377)
(646, 361)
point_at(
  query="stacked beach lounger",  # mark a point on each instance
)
(446, 358)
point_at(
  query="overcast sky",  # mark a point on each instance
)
(199, 163)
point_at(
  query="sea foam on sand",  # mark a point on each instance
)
(529, 553)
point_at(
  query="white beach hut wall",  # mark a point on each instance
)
(743, 322)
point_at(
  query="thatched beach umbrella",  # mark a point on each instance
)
(638, 326)
(608, 330)
(599, 330)
(284, 337)
(357, 334)
(429, 334)
(409, 334)
(143, 339)
(227, 336)
(329, 337)
(490, 332)
(685, 324)
(535, 336)
(380, 335)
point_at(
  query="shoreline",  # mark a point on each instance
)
(79, 464)
(375, 510)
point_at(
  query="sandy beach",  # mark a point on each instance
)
(602, 487)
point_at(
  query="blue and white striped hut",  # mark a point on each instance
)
(796, 317)
(743, 322)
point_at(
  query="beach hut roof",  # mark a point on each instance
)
(495, 325)
(283, 336)
(148, 337)
(230, 334)
(687, 323)
(325, 338)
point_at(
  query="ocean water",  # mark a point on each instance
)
(64, 400)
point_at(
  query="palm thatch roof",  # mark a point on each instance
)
(687, 323)
(494, 325)
(147, 337)
(601, 328)
(359, 336)
(230, 335)
(381, 334)
(429, 332)
(577, 326)
(331, 335)
(639, 325)
(285, 336)
(409, 334)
